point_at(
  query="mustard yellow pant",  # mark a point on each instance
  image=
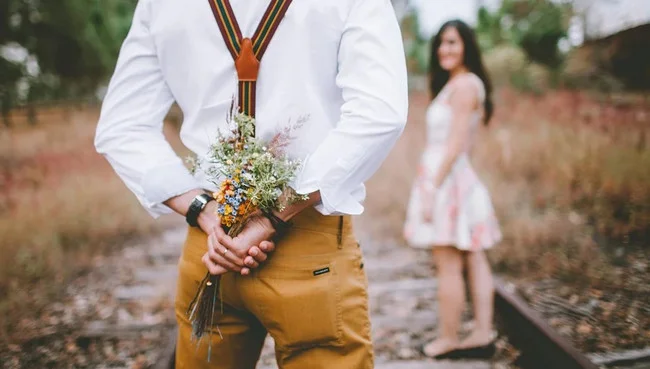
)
(310, 296)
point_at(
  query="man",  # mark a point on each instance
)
(340, 62)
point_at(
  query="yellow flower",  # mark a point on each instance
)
(228, 209)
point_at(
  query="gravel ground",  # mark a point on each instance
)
(120, 315)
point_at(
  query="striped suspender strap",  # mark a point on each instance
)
(246, 52)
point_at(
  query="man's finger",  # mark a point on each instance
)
(224, 239)
(267, 246)
(251, 263)
(220, 260)
(213, 268)
(256, 254)
(218, 230)
(245, 271)
(215, 247)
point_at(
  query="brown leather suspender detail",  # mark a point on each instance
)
(246, 52)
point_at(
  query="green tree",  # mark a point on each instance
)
(75, 43)
(536, 26)
(416, 47)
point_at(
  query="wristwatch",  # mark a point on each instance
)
(197, 205)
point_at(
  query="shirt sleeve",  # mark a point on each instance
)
(130, 129)
(372, 78)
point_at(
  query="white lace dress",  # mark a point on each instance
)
(463, 215)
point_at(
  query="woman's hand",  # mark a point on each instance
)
(428, 201)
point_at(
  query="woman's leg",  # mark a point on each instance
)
(482, 291)
(451, 299)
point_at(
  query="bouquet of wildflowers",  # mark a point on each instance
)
(252, 176)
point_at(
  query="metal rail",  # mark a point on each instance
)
(540, 346)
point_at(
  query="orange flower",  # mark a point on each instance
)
(242, 208)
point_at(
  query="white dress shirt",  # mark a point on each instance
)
(340, 62)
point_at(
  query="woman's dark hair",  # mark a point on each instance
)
(471, 60)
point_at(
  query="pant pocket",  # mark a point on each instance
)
(301, 306)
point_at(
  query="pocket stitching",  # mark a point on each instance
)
(337, 341)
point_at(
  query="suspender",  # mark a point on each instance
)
(248, 52)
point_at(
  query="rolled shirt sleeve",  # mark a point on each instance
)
(130, 129)
(372, 78)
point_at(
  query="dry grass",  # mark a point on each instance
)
(60, 206)
(567, 173)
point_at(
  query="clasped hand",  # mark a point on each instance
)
(238, 254)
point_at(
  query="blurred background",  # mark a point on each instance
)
(566, 158)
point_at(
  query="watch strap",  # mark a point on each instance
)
(196, 207)
(281, 227)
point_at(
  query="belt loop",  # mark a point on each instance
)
(339, 236)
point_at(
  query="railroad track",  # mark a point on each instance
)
(539, 345)
(542, 347)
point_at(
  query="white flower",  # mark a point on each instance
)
(277, 192)
(229, 162)
(248, 177)
(263, 148)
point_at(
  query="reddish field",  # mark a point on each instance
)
(568, 174)
(60, 206)
(569, 178)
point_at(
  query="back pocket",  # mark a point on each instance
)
(301, 306)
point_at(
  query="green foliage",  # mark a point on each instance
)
(488, 30)
(10, 73)
(534, 25)
(75, 43)
(416, 47)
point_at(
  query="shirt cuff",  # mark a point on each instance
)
(335, 199)
(163, 182)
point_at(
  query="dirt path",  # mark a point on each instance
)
(402, 304)
(120, 316)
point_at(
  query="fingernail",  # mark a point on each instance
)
(254, 252)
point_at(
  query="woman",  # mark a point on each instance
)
(450, 209)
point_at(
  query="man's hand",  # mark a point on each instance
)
(208, 219)
(252, 245)
(223, 255)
